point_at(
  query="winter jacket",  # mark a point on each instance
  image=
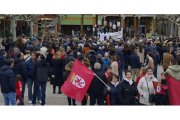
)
(143, 89)
(126, 93)
(173, 82)
(41, 71)
(2, 60)
(7, 79)
(106, 63)
(135, 61)
(18, 88)
(20, 68)
(30, 67)
(112, 93)
(57, 70)
(96, 88)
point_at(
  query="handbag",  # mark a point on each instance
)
(151, 96)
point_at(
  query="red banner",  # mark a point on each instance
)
(78, 81)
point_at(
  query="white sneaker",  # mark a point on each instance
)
(39, 101)
(30, 102)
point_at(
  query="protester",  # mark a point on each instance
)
(106, 61)
(146, 88)
(167, 58)
(127, 91)
(57, 72)
(41, 74)
(96, 88)
(172, 75)
(30, 67)
(112, 91)
(150, 61)
(20, 69)
(135, 63)
(19, 90)
(86, 62)
(68, 68)
(114, 66)
(8, 82)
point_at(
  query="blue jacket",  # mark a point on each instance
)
(106, 62)
(20, 68)
(7, 79)
(112, 93)
(30, 67)
(135, 61)
(2, 60)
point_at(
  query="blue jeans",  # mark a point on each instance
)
(42, 85)
(29, 84)
(9, 98)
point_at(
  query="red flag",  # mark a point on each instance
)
(174, 90)
(78, 81)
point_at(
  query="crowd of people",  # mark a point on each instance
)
(129, 67)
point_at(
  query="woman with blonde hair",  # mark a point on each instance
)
(57, 72)
(114, 66)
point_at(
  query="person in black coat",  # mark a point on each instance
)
(40, 76)
(112, 91)
(96, 88)
(57, 73)
(8, 83)
(20, 68)
(127, 91)
(67, 71)
(2, 57)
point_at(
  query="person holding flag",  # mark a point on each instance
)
(111, 91)
(97, 87)
(82, 80)
(68, 68)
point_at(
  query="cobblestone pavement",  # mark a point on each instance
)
(57, 99)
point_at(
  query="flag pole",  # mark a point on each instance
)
(101, 80)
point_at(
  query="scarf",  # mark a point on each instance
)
(129, 81)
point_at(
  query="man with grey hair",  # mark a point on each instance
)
(97, 87)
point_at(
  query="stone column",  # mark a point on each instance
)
(13, 28)
(154, 24)
(139, 23)
(172, 29)
(31, 28)
(178, 30)
(122, 22)
(135, 26)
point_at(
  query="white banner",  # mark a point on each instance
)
(114, 35)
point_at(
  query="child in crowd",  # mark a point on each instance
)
(19, 90)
